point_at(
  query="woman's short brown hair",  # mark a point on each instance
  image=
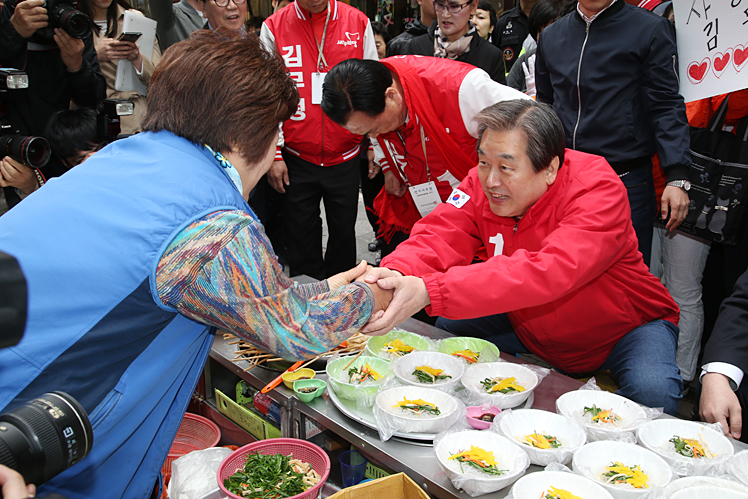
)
(222, 89)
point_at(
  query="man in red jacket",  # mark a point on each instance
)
(565, 280)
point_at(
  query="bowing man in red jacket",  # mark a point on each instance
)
(566, 280)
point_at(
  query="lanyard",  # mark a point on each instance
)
(425, 157)
(321, 46)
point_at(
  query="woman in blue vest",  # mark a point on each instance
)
(135, 257)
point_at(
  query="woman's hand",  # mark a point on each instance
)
(134, 56)
(347, 277)
(109, 49)
(13, 486)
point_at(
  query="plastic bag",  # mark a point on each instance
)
(475, 395)
(194, 475)
(737, 466)
(509, 457)
(572, 404)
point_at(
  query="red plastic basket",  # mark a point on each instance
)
(300, 449)
(195, 433)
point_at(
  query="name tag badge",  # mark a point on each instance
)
(426, 197)
(317, 80)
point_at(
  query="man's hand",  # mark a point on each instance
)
(674, 203)
(71, 50)
(28, 17)
(278, 176)
(373, 166)
(392, 184)
(409, 297)
(18, 175)
(13, 486)
(109, 49)
(347, 277)
(719, 404)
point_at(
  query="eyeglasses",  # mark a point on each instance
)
(453, 8)
(224, 3)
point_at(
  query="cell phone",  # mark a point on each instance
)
(129, 37)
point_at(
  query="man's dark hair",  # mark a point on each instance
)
(538, 122)
(488, 7)
(544, 13)
(355, 85)
(380, 29)
(72, 131)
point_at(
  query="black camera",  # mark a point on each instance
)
(63, 14)
(29, 150)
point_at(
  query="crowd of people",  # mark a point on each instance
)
(510, 187)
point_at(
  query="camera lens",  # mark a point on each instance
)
(32, 151)
(74, 22)
(44, 437)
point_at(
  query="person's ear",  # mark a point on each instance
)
(551, 171)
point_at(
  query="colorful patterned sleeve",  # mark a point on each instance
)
(221, 271)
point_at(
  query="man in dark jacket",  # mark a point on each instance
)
(414, 28)
(511, 30)
(610, 71)
(723, 395)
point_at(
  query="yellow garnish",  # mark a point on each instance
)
(604, 416)
(430, 370)
(398, 346)
(477, 454)
(508, 383)
(538, 440)
(405, 401)
(371, 372)
(469, 355)
(560, 494)
(620, 473)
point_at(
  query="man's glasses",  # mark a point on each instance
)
(224, 3)
(453, 8)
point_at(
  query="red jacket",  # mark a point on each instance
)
(309, 134)
(569, 277)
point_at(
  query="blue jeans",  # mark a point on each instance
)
(643, 202)
(643, 360)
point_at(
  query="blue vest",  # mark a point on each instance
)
(88, 243)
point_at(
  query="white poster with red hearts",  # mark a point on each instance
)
(712, 46)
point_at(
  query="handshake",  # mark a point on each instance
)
(396, 297)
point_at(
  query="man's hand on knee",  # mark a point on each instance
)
(719, 404)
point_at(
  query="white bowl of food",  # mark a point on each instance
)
(545, 436)
(480, 462)
(719, 484)
(430, 369)
(554, 484)
(503, 384)
(689, 447)
(417, 409)
(626, 470)
(603, 415)
(708, 492)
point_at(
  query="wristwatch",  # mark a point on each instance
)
(683, 184)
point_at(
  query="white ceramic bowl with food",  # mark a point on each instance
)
(592, 460)
(524, 377)
(703, 481)
(532, 485)
(509, 458)
(737, 466)
(405, 366)
(627, 415)
(388, 400)
(656, 436)
(520, 424)
(708, 492)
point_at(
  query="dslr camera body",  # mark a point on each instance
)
(63, 14)
(29, 150)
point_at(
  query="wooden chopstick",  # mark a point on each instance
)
(354, 358)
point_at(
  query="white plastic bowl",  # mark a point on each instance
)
(518, 423)
(509, 457)
(655, 436)
(404, 367)
(592, 459)
(708, 492)
(572, 404)
(476, 373)
(737, 466)
(532, 485)
(701, 481)
(447, 404)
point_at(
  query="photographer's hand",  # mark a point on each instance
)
(28, 17)
(71, 50)
(18, 175)
(13, 486)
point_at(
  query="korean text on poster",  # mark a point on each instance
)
(712, 46)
